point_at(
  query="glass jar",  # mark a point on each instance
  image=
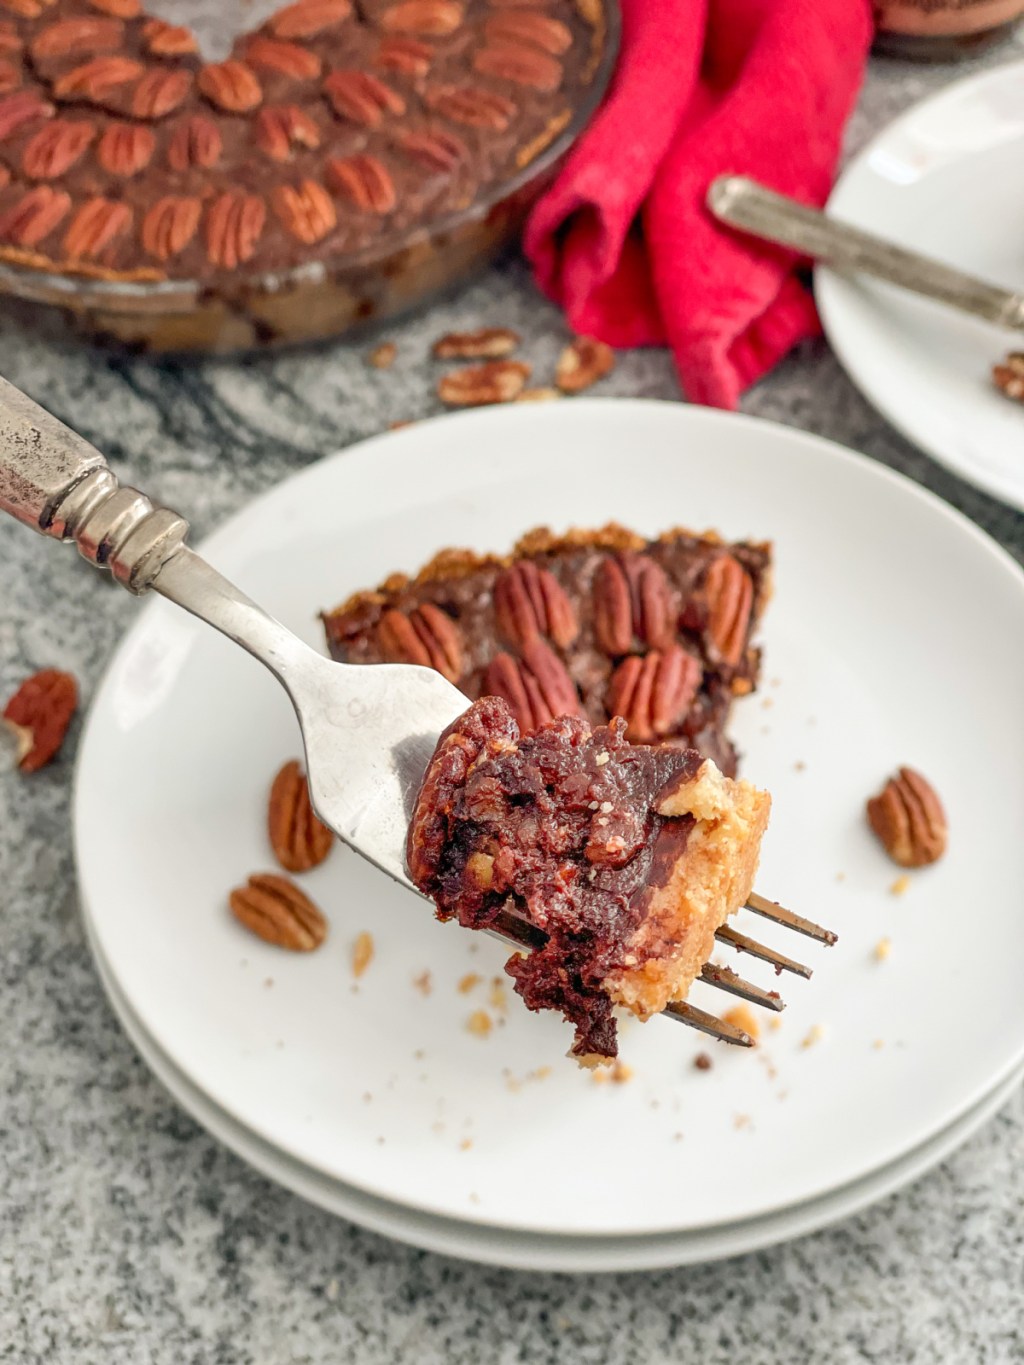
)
(943, 30)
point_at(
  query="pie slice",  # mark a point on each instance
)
(626, 857)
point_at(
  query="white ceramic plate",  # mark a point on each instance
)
(946, 179)
(896, 636)
(537, 1251)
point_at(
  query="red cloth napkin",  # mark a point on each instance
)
(703, 87)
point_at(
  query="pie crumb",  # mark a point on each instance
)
(479, 1023)
(423, 983)
(742, 1121)
(775, 1023)
(878, 1044)
(813, 1035)
(742, 1016)
(467, 983)
(465, 1144)
(703, 1062)
(900, 886)
(497, 997)
(362, 953)
(882, 949)
(799, 765)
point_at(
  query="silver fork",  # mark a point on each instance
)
(368, 733)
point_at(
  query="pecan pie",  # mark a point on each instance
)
(331, 130)
(593, 623)
(627, 858)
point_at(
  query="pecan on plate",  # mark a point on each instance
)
(275, 910)
(299, 839)
(908, 818)
(1009, 376)
(38, 715)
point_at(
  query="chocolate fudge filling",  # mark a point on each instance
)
(559, 827)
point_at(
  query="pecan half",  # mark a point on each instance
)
(159, 92)
(120, 9)
(170, 225)
(496, 381)
(519, 64)
(429, 18)
(21, 109)
(1010, 376)
(78, 37)
(25, 9)
(537, 686)
(275, 910)
(730, 596)
(10, 77)
(10, 43)
(125, 148)
(281, 128)
(299, 839)
(98, 79)
(234, 222)
(633, 600)
(405, 55)
(168, 40)
(38, 715)
(486, 343)
(306, 210)
(364, 181)
(96, 224)
(908, 818)
(427, 636)
(55, 148)
(34, 216)
(287, 59)
(361, 98)
(582, 363)
(196, 141)
(231, 86)
(530, 602)
(471, 106)
(308, 18)
(653, 692)
(525, 26)
(436, 150)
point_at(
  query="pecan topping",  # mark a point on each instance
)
(281, 128)
(168, 40)
(487, 343)
(234, 222)
(1010, 376)
(125, 148)
(288, 59)
(362, 98)
(633, 600)
(231, 86)
(519, 64)
(523, 26)
(427, 636)
(730, 597)
(25, 9)
(308, 18)
(276, 911)
(98, 79)
(120, 9)
(81, 37)
(364, 180)
(907, 816)
(437, 151)
(196, 142)
(431, 18)
(497, 381)
(583, 363)
(10, 77)
(653, 692)
(55, 148)
(299, 840)
(34, 216)
(170, 225)
(10, 43)
(96, 224)
(16, 111)
(405, 55)
(537, 686)
(160, 92)
(530, 602)
(473, 107)
(38, 715)
(305, 210)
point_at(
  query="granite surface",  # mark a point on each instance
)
(127, 1234)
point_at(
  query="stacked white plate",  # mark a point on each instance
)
(896, 636)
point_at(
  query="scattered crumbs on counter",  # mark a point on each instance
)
(419, 1054)
(767, 703)
(423, 983)
(743, 1017)
(437, 1127)
(474, 1198)
(468, 982)
(840, 876)
(900, 886)
(362, 953)
(703, 1062)
(882, 949)
(742, 1121)
(775, 1023)
(677, 1137)
(479, 1023)
(878, 1044)
(813, 1035)
(268, 981)
(465, 1144)
(768, 1065)
(799, 766)
(497, 996)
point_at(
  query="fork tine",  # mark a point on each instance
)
(727, 980)
(779, 913)
(743, 944)
(708, 1023)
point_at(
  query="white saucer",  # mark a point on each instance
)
(536, 1251)
(944, 179)
(895, 636)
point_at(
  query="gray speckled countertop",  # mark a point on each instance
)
(127, 1234)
